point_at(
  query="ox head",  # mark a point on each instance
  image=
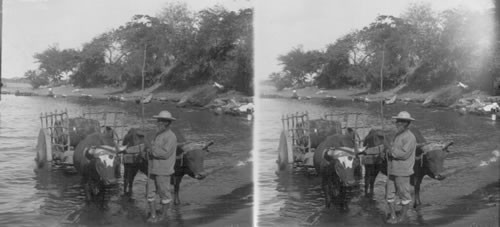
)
(319, 129)
(103, 164)
(193, 157)
(433, 160)
(133, 137)
(373, 139)
(345, 164)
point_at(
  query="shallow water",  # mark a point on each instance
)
(54, 197)
(294, 197)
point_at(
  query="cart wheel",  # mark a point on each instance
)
(283, 158)
(43, 148)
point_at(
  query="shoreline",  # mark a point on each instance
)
(228, 102)
(267, 90)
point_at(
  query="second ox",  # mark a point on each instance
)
(429, 160)
(189, 160)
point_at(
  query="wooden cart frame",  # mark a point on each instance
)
(299, 123)
(59, 120)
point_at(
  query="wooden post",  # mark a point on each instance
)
(309, 132)
(68, 130)
(41, 119)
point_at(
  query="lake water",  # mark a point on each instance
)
(54, 197)
(295, 198)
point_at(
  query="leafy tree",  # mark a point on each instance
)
(55, 63)
(336, 71)
(301, 65)
(281, 80)
(37, 78)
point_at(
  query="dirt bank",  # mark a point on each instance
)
(268, 90)
(203, 96)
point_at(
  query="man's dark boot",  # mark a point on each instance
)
(152, 215)
(392, 216)
(404, 213)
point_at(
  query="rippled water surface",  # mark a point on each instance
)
(294, 197)
(54, 197)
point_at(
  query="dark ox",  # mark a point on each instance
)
(79, 128)
(95, 158)
(189, 160)
(338, 167)
(319, 129)
(429, 160)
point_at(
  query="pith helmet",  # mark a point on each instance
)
(164, 115)
(403, 115)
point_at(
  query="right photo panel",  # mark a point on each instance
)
(377, 113)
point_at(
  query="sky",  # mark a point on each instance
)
(31, 26)
(282, 25)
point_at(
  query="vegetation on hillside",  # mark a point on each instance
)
(178, 47)
(421, 48)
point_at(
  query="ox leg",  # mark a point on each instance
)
(176, 182)
(102, 197)
(373, 177)
(126, 176)
(371, 173)
(130, 172)
(328, 190)
(368, 180)
(86, 188)
(417, 182)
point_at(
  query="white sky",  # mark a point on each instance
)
(30, 26)
(281, 25)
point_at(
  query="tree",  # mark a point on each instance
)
(301, 65)
(281, 80)
(55, 63)
(37, 78)
(339, 64)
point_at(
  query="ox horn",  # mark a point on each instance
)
(208, 145)
(445, 148)
(327, 155)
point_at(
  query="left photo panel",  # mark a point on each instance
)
(126, 113)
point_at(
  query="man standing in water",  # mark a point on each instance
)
(400, 166)
(161, 165)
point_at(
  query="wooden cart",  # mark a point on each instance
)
(295, 139)
(55, 141)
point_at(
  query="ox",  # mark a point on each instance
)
(189, 160)
(429, 160)
(319, 130)
(338, 167)
(95, 158)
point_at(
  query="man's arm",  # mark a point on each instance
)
(403, 149)
(166, 148)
